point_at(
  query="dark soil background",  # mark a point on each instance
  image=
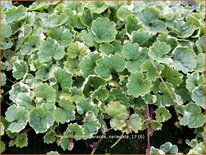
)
(169, 133)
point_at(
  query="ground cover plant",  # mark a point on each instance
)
(74, 70)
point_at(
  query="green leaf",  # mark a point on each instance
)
(132, 24)
(24, 100)
(65, 112)
(96, 7)
(153, 150)
(62, 35)
(117, 124)
(168, 148)
(104, 30)
(49, 137)
(135, 123)
(40, 120)
(20, 68)
(194, 80)
(88, 64)
(192, 116)
(91, 124)
(107, 64)
(184, 59)
(44, 91)
(143, 38)
(148, 67)
(77, 50)
(16, 14)
(74, 131)
(134, 55)
(50, 49)
(106, 48)
(18, 118)
(6, 31)
(198, 95)
(162, 114)
(2, 128)
(22, 140)
(172, 76)
(117, 110)
(86, 105)
(30, 45)
(158, 52)
(122, 13)
(100, 94)
(137, 85)
(64, 78)
(54, 20)
(200, 62)
(172, 41)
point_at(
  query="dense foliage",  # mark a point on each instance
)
(80, 63)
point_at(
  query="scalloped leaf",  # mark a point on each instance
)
(107, 64)
(103, 30)
(74, 131)
(20, 68)
(18, 118)
(40, 120)
(65, 112)
(96, 7)
(88, 64)
(22, 140)
(86, 105)
(162, 114)
(134, 55)
(159, 50)
(50, 49)
(91, 124)
(117, 110)
(194, 80)
(198, 95)
(62, 35)
(184, 59)
(54, 20)
(49, 137)
(24, 100)
(192, 117)
(137, 85)
(44, 91)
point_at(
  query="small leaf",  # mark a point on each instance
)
(162, 114)
(184, 59)
(74, 131)
(22, 140)
(45, 91)
(142, 37)
(135, 123)
(198, 95)
(88, 64)
(168, 148)
(50, 49)
(65, 112)
(106, 65)
(18, 118)
(104, 30)
(49, 137)
(91, 124)
(54, 20)
(117, 110)
(6, 31)
(122, 13)
(158, 52)
(62, 35)
(40, 120)
(192, 116)
(100, 94)
(86, 105)
(24, 100)
(64, 78)
(194, 80)
(96, 7)
(134, 55)
(137, 85)
(20, 69)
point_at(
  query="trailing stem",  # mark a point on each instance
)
(149, 130)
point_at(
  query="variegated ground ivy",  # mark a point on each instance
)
(77, 63)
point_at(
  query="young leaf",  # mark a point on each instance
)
(162, 114)
(74, 131)
(20, 69)
(137, 85)
(198, 95)
(22, 140)
(49, 137)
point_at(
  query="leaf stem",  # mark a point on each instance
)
(117, 141)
